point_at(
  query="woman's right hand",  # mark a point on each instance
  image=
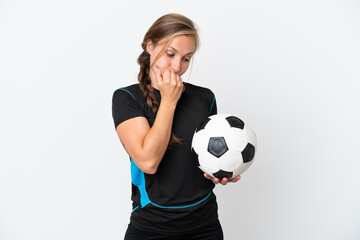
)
(170, 85)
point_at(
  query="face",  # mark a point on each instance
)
(176, 56)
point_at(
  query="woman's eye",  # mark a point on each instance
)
(186, 59)
(170, 54)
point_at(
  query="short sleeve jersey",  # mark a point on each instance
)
(177, 198)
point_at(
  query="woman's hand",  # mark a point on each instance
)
(223, 181)
(170, 85)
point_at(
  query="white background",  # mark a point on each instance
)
(290, 69)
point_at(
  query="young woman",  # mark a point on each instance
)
(155, 121)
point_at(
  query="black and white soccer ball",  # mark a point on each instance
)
(225, 146)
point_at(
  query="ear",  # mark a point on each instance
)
(149, 46)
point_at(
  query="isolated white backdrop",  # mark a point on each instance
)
(290, 69)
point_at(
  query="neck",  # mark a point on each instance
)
(153, 80)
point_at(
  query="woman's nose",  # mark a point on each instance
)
(175, 66)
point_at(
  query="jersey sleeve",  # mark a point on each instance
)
(124, 106)
(213, 108)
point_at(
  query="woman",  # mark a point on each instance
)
(155, 121)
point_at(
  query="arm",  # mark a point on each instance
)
(146, 145)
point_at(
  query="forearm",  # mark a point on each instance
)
(157, 139)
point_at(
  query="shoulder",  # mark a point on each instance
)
(127, 103)
(200, 92)
(203, 96)
(132, 91)
(195, 89)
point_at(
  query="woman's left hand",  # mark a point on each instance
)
(223, 181)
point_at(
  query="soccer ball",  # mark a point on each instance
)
(225, 146)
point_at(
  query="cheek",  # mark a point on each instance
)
(162, 63)
(184, 67)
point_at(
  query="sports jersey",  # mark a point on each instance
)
(177, 198)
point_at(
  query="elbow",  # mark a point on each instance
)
(149, 167)
(150, 171)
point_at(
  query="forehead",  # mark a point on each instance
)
(184, 44)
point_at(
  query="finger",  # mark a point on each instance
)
(167, 75)
(224, 181)
(235, 179)
(179, 81)
(173, 75)
(158, 75)
(216, 180)
(207, 176)
(173, 78)
(210, 178)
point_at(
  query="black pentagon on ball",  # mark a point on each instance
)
(217, 146)
(202, 124)
(235, 122)
(221, 174)
(248, 153)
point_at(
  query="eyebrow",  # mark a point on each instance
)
(178, 51)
